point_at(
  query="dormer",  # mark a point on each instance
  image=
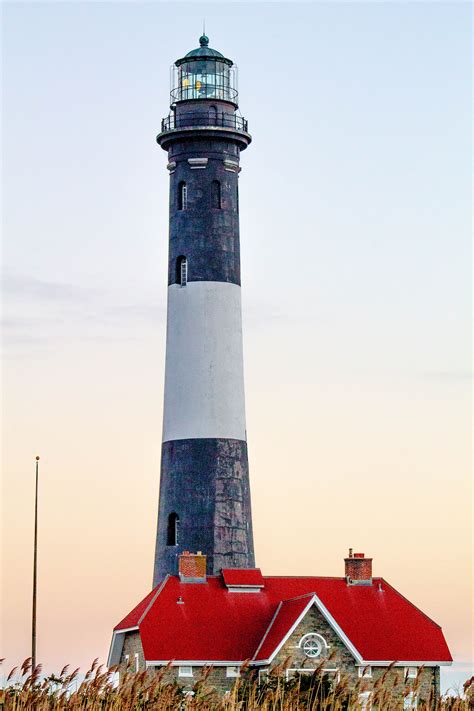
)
(243, 580)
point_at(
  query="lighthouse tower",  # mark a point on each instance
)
(204, 489)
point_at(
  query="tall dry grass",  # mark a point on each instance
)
(25, 689)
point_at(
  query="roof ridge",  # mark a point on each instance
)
(299, 597)
(159, 588)
(307, 577)
(411, 603)
(275, 615)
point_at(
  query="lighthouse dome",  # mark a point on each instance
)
(204, 50)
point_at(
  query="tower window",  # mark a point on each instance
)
(182, 196)
(172, 534)
(181, 271)
(213, 115)
(216, 194)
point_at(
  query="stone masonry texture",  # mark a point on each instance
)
(206, 482)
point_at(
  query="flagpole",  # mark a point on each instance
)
(35, 565)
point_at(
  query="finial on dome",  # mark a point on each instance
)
(204, 40)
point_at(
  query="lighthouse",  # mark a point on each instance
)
(204, 501)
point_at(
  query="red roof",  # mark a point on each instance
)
(133, 617)
(287, 614)
(239, 577)
(214, 624)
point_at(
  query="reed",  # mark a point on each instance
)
(26, 689)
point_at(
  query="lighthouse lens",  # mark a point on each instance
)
(204, 79)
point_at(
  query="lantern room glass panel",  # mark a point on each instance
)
(204, 79)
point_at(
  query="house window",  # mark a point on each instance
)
(172, 533)
(410, 701)
(127, 660)
(312, 645)
(182, 196)
(213, 115)
(364, 701)
(365, 672)
(233, 671)
(216, 195)
(411, 672)
(185, 671)
(137, 662)
(331, 675)
(181, 271)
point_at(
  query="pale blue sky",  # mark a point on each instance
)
(355, 224)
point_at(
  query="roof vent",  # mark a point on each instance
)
(243, 580)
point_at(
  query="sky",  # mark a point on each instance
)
(355, 247)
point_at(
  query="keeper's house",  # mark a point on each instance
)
(353, 626)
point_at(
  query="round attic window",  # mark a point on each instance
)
(312, 645)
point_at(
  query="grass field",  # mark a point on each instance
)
(28, 690)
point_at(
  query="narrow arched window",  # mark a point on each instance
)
(216, 194)
(182, 271)
(213, 115)
(182, 196)
(172, 533)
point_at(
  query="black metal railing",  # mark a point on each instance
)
(192, 119)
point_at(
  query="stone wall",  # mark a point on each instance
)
(132, 645)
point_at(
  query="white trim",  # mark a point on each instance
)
(388, 662)
(320, 639)
(116, 646)
(231, 165)
(411, 676)
(365, 671)
(243, 589)
(193, 663)
(195, 163)
(137, 662)
(338, 630)
(126, 629)
(329, 618)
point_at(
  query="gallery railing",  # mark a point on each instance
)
(191, 119)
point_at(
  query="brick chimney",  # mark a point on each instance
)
(358, 569)
(192, 567)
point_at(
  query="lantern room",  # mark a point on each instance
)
(204, 73)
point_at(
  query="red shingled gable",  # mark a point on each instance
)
(237, 577)
(285, 617)
(214, 624)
